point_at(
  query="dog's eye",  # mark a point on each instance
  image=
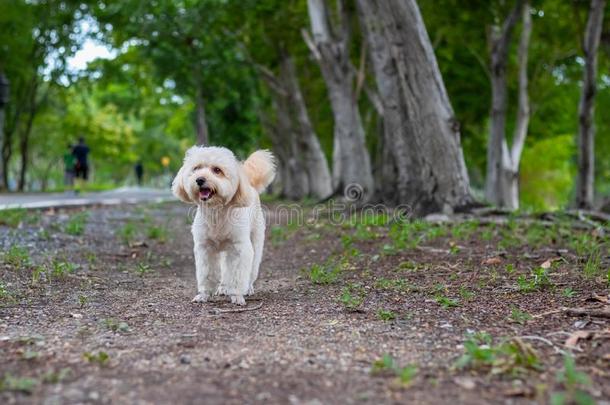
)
(197, 168)
(217, 170)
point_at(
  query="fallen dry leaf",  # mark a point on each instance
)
(492, 260)
(549, 262)
(572, 341)
(599, 298)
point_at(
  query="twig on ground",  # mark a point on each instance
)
(218, 311)
(598, 313)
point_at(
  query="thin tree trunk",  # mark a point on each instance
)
(3, 184)
(200, 120)
(523, 112)
(586, 130)
(351, 161)
(284, 137)
(24, 141)
(497, 149)
(315, 163)
(420, 130)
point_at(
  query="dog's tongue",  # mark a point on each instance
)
(205, 193)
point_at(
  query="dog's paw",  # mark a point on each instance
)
(250, 290)
(238, 300)
(199, 298)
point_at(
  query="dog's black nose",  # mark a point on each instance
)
(200, 181)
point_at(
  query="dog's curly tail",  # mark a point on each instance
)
(260, 169)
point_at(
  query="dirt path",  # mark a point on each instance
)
(119, 327)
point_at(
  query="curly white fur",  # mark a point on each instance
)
(229, 227)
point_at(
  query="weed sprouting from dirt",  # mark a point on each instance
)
(386, 366)
(538, 280)
(574, 383)
(386, 315)
(352, 297)
(22, 384)
(326, 273)
(76, 224)
(593, 265)
(115, 325)
(128, 232)
(518, 316)
(155, 232)
(13, 217)
(509, 356)
(17, 256)
(100, 357)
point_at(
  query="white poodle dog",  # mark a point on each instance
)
(229, 227)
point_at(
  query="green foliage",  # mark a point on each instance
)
(574, 383)
(547, 173)
(157, 233)
(115, 326)
(511, 356)
(15, 216)
(22, 384)
(519, 316)
(387, 365)
(17, 256)
(593, 265)
(4, 292)
(386, 315)
(100, 357)
(326, 273)
(76, 224)
(127, 232)
(538, 280)
(352, 297)
(61, 268)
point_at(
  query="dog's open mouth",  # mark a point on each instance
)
(205, 193)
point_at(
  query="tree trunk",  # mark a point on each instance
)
(523, 112)
(200, 121)
(315, 163)
(3, 184)
(24, 141)
(351, 161)
(420, 130)
(586, 130)
(499, 173)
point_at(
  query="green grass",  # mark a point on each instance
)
(100, 358)
(518, 316)
(115, 326)
(13, 217)
(538, 280)
(568, 292)
(509, 356)
(17, 256)
(21, 384)
(386, 315)
(61, 268)
(155, 232)
(128, 232)
(574, 383)
(387, 365)
(326, 273)
(76, 224)
(593, 265)
(352, 297)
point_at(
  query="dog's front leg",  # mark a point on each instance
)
(235, 276)
(207, 265)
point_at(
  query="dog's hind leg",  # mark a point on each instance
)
(235, 274)
(258, 241)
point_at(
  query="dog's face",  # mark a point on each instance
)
(212, 176)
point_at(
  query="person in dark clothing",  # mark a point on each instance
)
(139, 168)
(80, 152)
(69, 163)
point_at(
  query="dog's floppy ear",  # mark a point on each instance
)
(178, 186)
(244, 196)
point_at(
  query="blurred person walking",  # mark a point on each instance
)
(81, 152)
(139, 169)
(69, 167)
